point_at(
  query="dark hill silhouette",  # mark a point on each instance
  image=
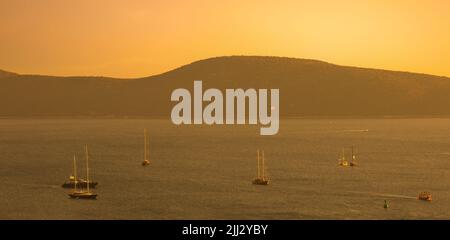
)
(307, 88)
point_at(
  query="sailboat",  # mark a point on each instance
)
(342, 161)
(78, 181)
(146, 160)
(353, 162)
(261, 178)
(81, 193)
(386, 205)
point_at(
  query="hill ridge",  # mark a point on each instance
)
(307, 88)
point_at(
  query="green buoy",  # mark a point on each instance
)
(386, 205)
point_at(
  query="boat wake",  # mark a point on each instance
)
(34, 185)
(442, 153)
(355, 130)
(384, 195)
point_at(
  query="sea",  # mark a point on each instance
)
(206, 171)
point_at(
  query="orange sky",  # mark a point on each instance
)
(139, 38)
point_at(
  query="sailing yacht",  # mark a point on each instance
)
(261, 178)
(342, 161)
(82, 193)
(353, 162)
(146, 160)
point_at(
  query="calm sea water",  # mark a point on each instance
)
(205, 172)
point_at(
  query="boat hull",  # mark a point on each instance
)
(259, 181)
(83, 195)
(429, 199)
(344, 164)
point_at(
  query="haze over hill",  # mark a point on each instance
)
(307, 88)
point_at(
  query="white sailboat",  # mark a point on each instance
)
(82, 193)
(146, 158)
(261, 178)
(342, 161)
(353, 162)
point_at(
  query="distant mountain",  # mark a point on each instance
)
(307, 88)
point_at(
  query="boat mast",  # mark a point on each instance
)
(145, 144)
(257, 154)
(75, 173)
(87, 167)
(263, 166)
(353, 155)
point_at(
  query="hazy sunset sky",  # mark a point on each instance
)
(141, 38)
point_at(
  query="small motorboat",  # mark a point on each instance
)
(425, 196)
